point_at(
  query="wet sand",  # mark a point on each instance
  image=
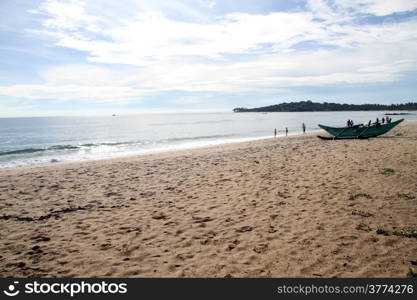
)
(284, 207)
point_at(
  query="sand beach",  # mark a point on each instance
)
(283, 207)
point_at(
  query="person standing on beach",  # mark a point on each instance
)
(286, 131)
(275, 132)
(304, 128)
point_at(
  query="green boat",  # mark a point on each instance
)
(358, 131)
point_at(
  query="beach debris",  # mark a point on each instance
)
(17, 218)
(401, 233)
(355, 196)
(387, 171)
(408, 196)
(383, 232)
(411, 273)
(57, 213)
(361, 213)
(244, 229)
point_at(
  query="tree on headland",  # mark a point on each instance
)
(326, 106)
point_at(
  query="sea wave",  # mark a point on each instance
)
(90, 146)
(33, 150)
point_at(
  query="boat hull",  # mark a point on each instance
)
(360, 131)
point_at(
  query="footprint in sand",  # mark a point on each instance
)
(159, 216)
(184, 256)
(232, 245)
(202, 219)
(260, 248)
(244, 229)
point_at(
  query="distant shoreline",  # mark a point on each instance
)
(409, 112)
(309, 106)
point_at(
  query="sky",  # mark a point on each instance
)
(95, 57)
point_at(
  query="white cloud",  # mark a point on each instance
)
(322, 10)
(237, 52)
(152, 36)
(377, 7)
(67, 15)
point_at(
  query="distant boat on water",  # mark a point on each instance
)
(397, 114)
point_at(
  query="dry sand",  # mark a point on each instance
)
(272, 208)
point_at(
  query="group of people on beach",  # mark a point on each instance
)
(386, 120)
(377, 122)
(383, 121)
(286, 130)
(349, 123)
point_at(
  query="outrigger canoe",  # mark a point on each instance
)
(358, 131)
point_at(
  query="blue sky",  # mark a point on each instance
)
(72, 57)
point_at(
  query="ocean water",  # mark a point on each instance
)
(47, 140)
